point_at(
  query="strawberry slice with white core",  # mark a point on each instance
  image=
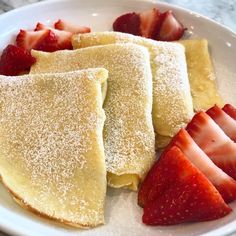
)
(73, 28)
(171, 29)
(186, 194)
(43, 40)
(63, 37)
(29, 39)
(230, 110)
(226, 123)
(223, 183)
(150, 23)
(214, 142)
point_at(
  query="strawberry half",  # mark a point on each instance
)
(223, 183)
(15, 60)
(214, 142)
(226, 123)
(75, 29)
(171, 29)
(230, 110)
(150, 23)
(63, 37)
(128, 23)
(188, 195)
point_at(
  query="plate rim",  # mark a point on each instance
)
(227, 229)
(165, 4)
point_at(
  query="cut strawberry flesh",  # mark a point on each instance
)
(149, 23)
(29, 39)
(41, 26)
(15, 60)
(223, 183)
(171, 29)
(128, 23)
(48, 44)
(63, 37)
(214, 142)
(75, 29)
(185, 194)
(226, 123)
(230, 110)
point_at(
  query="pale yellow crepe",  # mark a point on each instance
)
(172, 102)
(129, 138)
(51, 148)
(201, 74)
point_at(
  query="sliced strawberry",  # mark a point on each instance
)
(41, 26)
(15, 60)
(128, 23)
(150, 23)
(230, 110)
(214, 142)
(171, 29)
(75, 29)
(185, 194)
(223, 183)
(226, 123)
(49, 43)
(63, 37)
(44, 40)
(29, 39)
(150, 187)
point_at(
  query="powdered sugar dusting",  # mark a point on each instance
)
(172, 102)
(128, 132)
(49, 124)
(171, 88)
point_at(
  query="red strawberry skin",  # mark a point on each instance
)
(214, 142)
(128, 23)
(29, 39)
(150, 187)
(48, 44)
(170, 28)
(188, 197)
(44, 40)
(63, 37)
(230, 110)
(222, 182)
(15, 60)
(226, 123)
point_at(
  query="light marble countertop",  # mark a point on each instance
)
(222, 11)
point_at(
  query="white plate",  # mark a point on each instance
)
(123, 216)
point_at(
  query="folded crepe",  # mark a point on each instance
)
(51, 141)
(129, 138)
(172, 101)
(201, 74)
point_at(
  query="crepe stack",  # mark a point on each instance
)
(51, 141)
(129, 138)
(172, 101)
